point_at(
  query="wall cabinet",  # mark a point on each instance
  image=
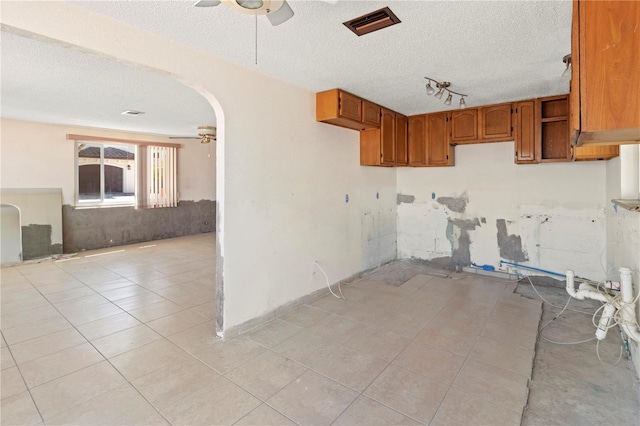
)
(525, 142)
(594, 152)
(418, 140)
(380, 147)
(429, 137)
(346, 110)
(495, 123)
(464, 126)
(605, 88)
(402, 148)
(370, 113)
(439, 150)
(552, 129)
(484, 124)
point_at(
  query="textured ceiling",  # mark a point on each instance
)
(494, 51)
(48, 83)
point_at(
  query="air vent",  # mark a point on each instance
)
(131, 112)
(373, 21)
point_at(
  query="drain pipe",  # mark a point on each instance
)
(625, 304)
(628, 307)
(585, 291)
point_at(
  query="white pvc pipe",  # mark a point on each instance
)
(628, 308)
(585, 291)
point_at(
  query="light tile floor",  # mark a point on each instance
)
(127, 337)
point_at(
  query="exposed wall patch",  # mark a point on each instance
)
(455, 204)
(36, 242)
(510, 245)
(404, 198)
(458, 234)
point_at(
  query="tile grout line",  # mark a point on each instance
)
(105, 358)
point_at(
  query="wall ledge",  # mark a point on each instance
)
(632, 205)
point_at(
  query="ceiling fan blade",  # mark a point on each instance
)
(330, 1)
(281, 15)
(184, 137)
(207, 3)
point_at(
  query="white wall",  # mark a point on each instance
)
(38, 155)
(623, 226)
(281, 177)
(557, 209)
(10, 234)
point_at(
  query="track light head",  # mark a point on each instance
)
(430, 90)
(462, 102)
(440, 93)
(448, 101)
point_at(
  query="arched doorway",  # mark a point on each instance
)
(11, 249)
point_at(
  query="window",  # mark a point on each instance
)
(120, 174)
(106, 174)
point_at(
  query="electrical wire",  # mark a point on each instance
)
(329, 285)
(604, 363)
(551, 304)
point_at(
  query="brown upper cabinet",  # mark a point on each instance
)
(386, 146)
(552, 129)
(464, 126)
(605, 88)
(495, 123)
(370, 113)
(418, 140)
(429, 140)
(346, 110)
(402, 148)
(525, 142)
(491, 123)
(439, 150)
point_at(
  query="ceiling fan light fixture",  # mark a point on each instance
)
(207, 133)
(250, 4)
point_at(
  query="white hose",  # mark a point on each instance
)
(329, 285)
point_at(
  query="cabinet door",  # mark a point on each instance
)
(438, 148)
(370, 113)
(388, 137)
(401, 140)
(525, 142)
(350, 106)
(464, 126)
(495, 122)
(418, 140)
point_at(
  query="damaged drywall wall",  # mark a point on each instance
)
(405, 198)
(458, 236)
(547, 215)
(88, 229)
(510, 245)
(36, 242)
(455, 204)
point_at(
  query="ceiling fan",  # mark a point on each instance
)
(277, 11)
(206, 134)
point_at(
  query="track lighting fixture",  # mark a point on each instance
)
(442, 87)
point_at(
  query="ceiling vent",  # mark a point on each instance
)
(132, 112)
(373, 21)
